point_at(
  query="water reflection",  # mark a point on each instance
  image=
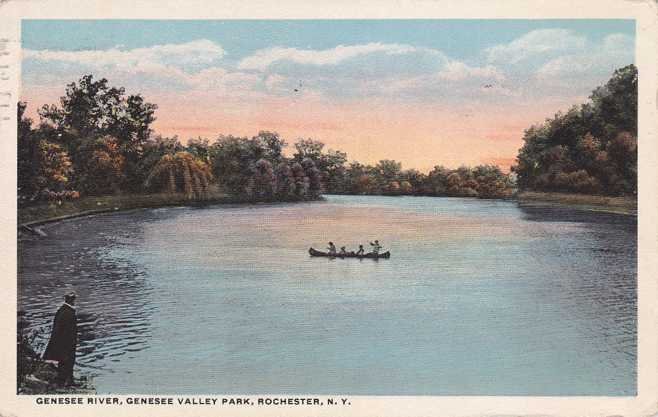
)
(594, 257)
(91, 256)
(553, 213)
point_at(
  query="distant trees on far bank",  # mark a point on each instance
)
(590, 149)
(388, 178)
(256, 168)
(98, 141)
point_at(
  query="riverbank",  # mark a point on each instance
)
(48, 212)
(42, 380)
(617, 205)
(36, 376)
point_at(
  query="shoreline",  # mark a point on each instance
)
(30, 217)
(87, 206)
(604, 204)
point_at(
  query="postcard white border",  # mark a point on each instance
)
(645, 14)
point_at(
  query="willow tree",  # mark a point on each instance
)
(180, 173)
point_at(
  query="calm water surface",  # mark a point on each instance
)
(479, 297)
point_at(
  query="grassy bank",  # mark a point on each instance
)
(619, 205)
(36, 376)
(46, 212)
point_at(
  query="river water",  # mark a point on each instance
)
(478, 298)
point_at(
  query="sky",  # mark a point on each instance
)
(423, 92)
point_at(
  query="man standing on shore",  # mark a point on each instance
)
(64, 340)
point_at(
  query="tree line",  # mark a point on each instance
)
(592, 148)
(98, 140)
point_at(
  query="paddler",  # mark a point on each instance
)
(376, 247)
(332, 248)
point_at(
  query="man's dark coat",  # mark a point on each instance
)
(63, 340)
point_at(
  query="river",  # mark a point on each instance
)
(478, 298)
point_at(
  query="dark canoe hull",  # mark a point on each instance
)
(384, 255)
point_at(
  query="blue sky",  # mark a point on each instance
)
(459, 38)
(431, 85)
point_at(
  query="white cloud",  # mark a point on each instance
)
(263, 58)
(191, 65)
(616, 50)
(368, 70)
(186, 56)
(363, 70)
(535, 43)
(541, 62)
(457, 71)
(617, 42)
(222, 81)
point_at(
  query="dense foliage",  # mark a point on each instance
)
(591, 149)
(98, 140)
(180, 172)
(257, 168)
(388, 178)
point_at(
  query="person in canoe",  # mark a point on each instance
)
(376, 247)
(332, 248)
(343, 251)
(361, 251)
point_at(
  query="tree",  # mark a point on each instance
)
(314, 178)
(308, 148)
(406, 188)
(615, 104)
(301, 181)
(622, 152)
(101, 167)
(285, 182)
(437, 181)
(44, 167)
(591, 148)
(393, 188)
(231, 157)
(365, 184)
(199, 148)
(263, 182)
(91, 109)
(271, 145)
(154, 149)
(28, 152)
(388, 170)
(234, 159)
(416, 181)
(180, 173)
(54, 170)
(490, 181)
(331, 164)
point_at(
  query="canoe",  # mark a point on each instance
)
(384, 255)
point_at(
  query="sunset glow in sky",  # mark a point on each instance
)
(424, 92)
